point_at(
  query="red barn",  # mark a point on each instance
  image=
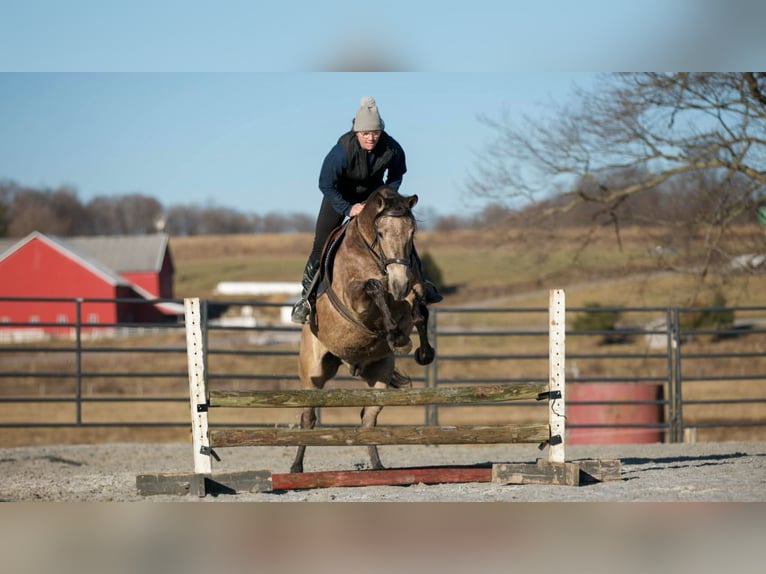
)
(124, 267)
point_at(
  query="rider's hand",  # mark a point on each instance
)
(356, 209)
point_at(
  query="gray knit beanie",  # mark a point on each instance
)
(367, 118)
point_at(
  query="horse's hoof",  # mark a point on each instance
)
(404, 349)
(399, 380)
(296, 468)
(424, 356)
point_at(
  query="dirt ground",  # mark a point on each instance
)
(701, 472)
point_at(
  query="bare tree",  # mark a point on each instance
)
(639, 132)
(7, 189)
(104, 213)
(300, 222)
(138, 213)
(55, 211)
(658, 125)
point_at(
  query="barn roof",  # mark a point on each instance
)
(113, 254)
(124, 252)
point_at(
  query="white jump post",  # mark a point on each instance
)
(557, 373)
(195, 351)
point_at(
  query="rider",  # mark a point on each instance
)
(351, 171)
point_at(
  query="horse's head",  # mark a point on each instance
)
(394, 227)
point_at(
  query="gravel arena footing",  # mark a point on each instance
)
(700, 472)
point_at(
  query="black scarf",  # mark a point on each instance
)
(357, 167)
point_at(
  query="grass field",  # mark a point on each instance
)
(506, 266)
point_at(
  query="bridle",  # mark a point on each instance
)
(376, 249)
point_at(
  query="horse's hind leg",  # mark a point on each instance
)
(378, 376)
(308, 420)
(369, 420)
(316, 367)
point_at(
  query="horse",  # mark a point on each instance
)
(373, 296)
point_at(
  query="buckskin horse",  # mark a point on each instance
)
(373, 297)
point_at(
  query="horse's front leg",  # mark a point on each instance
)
(377, 293)
(424, 354)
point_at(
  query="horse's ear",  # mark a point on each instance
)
(381, 203)
(412, 201)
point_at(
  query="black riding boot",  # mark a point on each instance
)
(430, 291)
(302, 308)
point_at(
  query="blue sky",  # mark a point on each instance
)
(230, 103)
(251, 141)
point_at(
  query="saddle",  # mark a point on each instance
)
(327, 258)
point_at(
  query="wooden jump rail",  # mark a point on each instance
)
(331, 436)
(553, 471)
(378, 397)
(339, 436)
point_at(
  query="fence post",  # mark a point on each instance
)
(195, 351)
(432, 411)
(78, 360)
(678, 417)
(670, 397)
(557, 373)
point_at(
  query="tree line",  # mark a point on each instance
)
(687, 200)
(59, 211)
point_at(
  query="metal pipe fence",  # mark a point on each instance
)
(706, 366)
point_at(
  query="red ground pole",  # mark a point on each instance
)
(387, 477)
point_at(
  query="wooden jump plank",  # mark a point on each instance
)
(386, 477)
(201, 484)
(377, 397)
(412, 435)
(167, 483)
(542, 472)
(586, 471)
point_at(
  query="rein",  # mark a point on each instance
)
(344, 311)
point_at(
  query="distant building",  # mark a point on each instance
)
(122, 267)
(259, 288)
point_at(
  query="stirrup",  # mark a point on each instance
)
(301, 311)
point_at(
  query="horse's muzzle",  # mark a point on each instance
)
(398, 280)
